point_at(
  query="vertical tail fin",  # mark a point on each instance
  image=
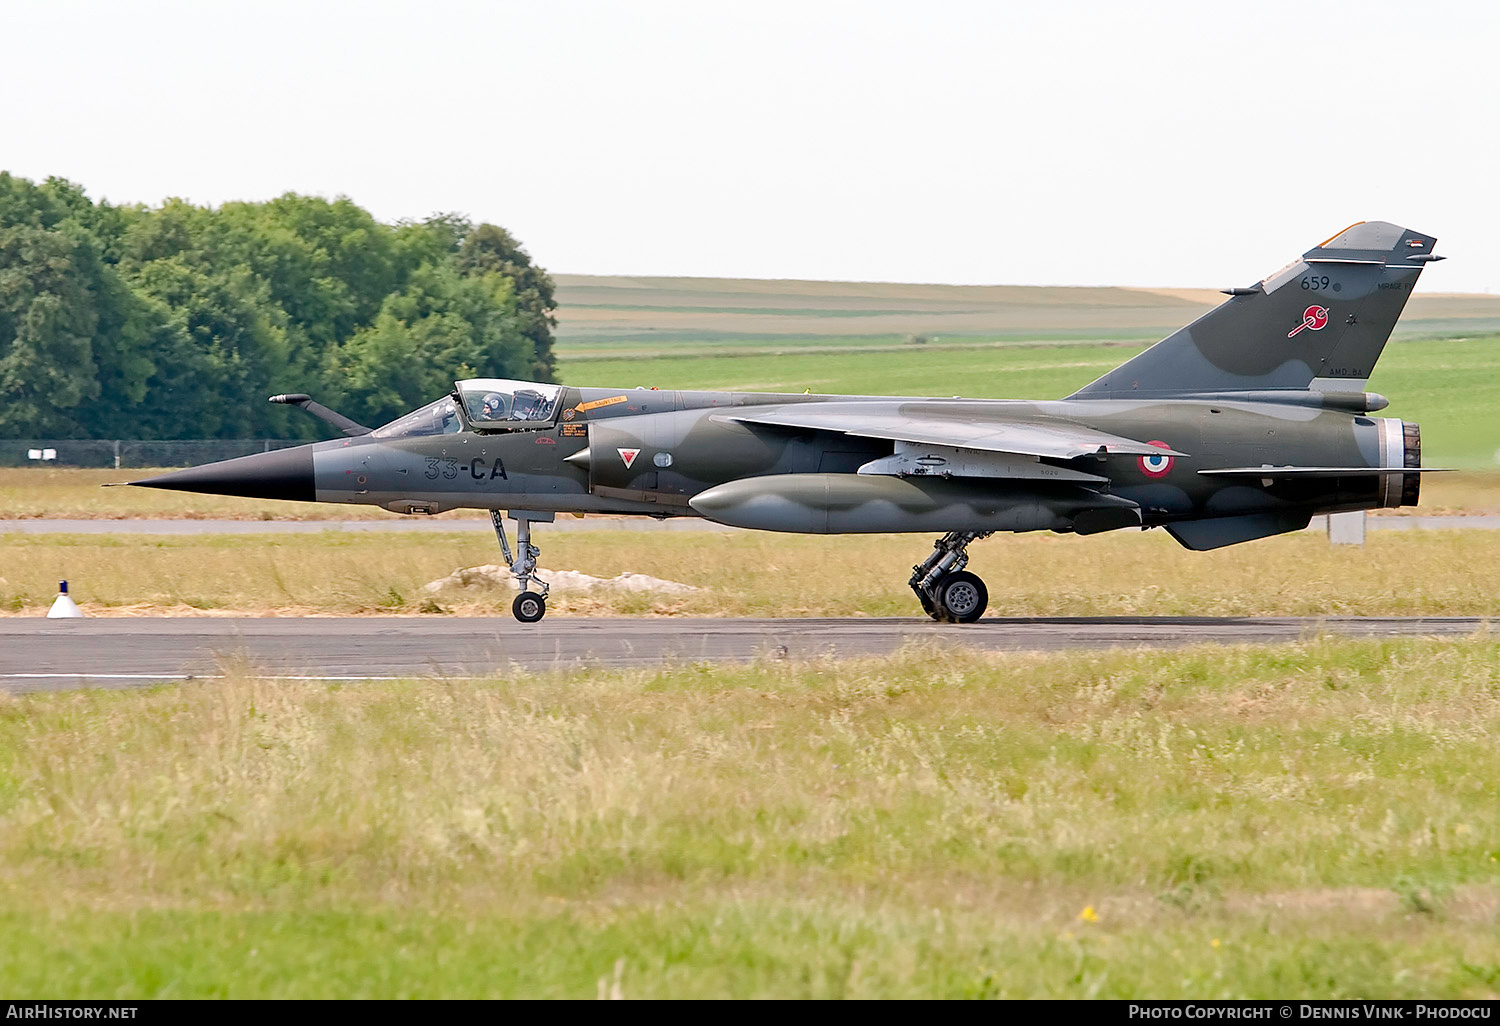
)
(1325, 316)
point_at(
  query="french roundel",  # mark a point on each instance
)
(1157, 466)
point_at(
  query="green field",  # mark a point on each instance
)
(1317, 820)
(643, 315)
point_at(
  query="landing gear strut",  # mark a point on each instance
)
(529, 606)
(946, 590)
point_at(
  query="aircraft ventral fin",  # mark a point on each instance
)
(1062, 441)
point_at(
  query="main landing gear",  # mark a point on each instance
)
(529, 606)
(946, 590)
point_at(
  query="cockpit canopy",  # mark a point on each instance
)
(488, 404)
(439, 418)
(498, 402)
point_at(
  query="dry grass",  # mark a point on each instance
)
(757, 574)
(1313, 820)
(67, 493)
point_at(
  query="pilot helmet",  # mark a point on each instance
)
(493, 406)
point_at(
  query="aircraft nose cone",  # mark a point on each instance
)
(280, 474)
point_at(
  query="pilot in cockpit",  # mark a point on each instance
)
(492, 401)
(492, 407)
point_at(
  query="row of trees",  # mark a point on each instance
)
(178, 321)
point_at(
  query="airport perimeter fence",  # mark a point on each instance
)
(131, 452)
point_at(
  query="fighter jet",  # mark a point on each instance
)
(1242, 425)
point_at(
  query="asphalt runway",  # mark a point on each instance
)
(38, 654)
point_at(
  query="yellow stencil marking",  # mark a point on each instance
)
(585, 407)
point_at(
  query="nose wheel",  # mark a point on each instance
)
(947, 591)
(529, 606)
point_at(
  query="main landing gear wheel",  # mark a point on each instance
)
(962, 596)
(529, 607)
(945, 589)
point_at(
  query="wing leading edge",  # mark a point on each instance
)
(1062, 441)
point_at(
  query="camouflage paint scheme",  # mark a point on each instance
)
(709, 449)
(1242, 425)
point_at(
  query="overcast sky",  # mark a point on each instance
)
(1194, 144)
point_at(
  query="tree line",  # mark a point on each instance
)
(177, 321)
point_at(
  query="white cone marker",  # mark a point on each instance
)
(63, 605)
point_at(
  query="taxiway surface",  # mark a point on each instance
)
(39, 654)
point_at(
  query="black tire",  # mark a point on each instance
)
(927, 605)
(529, 607)
(962, 597)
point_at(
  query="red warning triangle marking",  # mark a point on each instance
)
(628, 455)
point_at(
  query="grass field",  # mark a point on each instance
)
(1315, 820)
(757, 574)
(629, 315)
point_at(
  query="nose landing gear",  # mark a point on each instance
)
(946, 590)
(529, 606)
